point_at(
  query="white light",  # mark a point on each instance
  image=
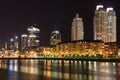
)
(11, 39)
(24, 35)
(33, 29)
(32, 35)
(37, 41)
(57, 32)
(109, 9)
(16, 37)
(99, 6)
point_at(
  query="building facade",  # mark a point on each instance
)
(16, 42)
(100, 23)
(77, 31)
(31, 39)
(13, 43)
(24, 41)
(55, 37)
(105, 24)
(111, 25)
(83, 47)
(33, 36)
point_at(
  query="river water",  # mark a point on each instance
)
(58, 70)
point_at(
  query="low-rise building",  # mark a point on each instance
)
(86, 47)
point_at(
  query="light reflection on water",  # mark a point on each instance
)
(62, 70)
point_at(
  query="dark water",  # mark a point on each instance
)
(58, 70)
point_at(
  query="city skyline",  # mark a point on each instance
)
(17, 16)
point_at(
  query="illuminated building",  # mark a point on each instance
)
(24, 41)
(111, 25)
(55, 37)
(16, 42)
(100, 24)
(6, 45)
(47, 50)
(111, 48)
(77, 32)
(105, 24)
(86, 47)
(33, 37)
(11, 44)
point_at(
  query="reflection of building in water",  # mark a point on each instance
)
(105, 71)
(118, 71)
(86, 47)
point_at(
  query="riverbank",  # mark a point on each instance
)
(73, 59)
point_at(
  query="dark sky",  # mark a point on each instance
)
(16, 16)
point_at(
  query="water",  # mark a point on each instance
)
(58, 70)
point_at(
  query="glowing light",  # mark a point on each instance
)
(33, 29)
(37, 41)
(32, 35)
(24, 35)
(11, 40)
(99, 6)
(16, 37)
(57, 32)
(109, 9)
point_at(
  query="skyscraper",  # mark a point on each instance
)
(33, 37)
(100, 23)
(55, 37)
(104, 24)
(24, 41)
(111, 25)
(16, 42)
(11, 44)
(77, 31)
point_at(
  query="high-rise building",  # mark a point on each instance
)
(105, 24)
(55, 37)
(16, 42)
(11, 44)
(6, 45)
(111, 25)
(24, 41)
(33, 37)
(77, 31)
(100, 23)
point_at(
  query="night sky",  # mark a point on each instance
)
(16, 17)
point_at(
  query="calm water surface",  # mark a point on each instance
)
(58, 70)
